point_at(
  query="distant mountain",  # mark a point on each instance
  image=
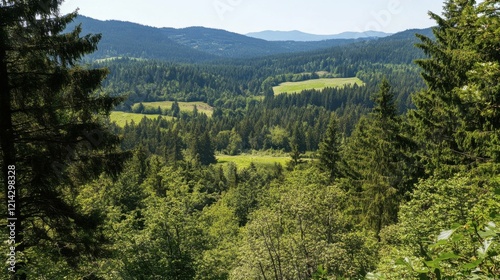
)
(193, 44)
(126, 39)
(299, 36)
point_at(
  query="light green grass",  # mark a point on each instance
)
(121, 118)
(184, 106)
(243, 161)
(318, 84)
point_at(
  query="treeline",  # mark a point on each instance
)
(231, 133)
(146, 81)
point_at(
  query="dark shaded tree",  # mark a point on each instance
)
(176, 110)
(202, 149)
(378, 165)
(329, 150)
(51, 129)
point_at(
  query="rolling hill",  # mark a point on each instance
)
(191, 45)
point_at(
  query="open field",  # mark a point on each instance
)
(184, 106)
(122, 117)
(318, 84)
(243, 161)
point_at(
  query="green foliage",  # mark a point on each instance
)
(221, 229)
(176, 110)
(300, 226)
(442, 229)
(171, 213)
(376, 155)
(329, 150)
(202, 150)
(456, 117)
(51, 131)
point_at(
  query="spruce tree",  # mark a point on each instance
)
(173, 150)
(51, 129)
(329, 149)
(375, 155)
(457, 119)
(385, 109)
(207, 151)
(176, 110)
(201, 148)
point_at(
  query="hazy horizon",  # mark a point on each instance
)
(243, 16)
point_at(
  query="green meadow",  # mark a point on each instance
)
(121, 118)
(244, 160)
(184, 106)
(318, 84)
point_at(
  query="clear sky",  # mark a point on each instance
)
(244, 16)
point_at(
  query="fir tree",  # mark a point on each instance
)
(378, 164)
(385, 109)
(329, 149)
(457, 117)
(202, 149)
(50, 128)
(176, 110)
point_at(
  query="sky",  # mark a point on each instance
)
(244, 16)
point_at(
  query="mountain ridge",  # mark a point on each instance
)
(190, 44)
(299, 36)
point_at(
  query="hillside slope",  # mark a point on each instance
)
(191, 45)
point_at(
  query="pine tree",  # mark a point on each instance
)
(385, 109)
(173, 151)
(207, 151)
(50, 127)
(176, 110)
(329, 149)
(378, 166)
(457, 117)
(202, 149)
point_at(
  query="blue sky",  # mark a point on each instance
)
(243, 16)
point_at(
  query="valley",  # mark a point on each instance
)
(199, 153)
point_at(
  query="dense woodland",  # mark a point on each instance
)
(394, 179)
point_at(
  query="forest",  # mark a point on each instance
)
(397, 178)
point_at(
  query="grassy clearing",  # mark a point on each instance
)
(318, 84)
(184, 106)
(121, 118)
(244, 160)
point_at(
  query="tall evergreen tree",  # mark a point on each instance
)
(458, 117)
(202, 150)
(329, 149)
(173, 151)
(176, 110)
(207, 151)
(385, 108)
(375, 154)
(50, 128)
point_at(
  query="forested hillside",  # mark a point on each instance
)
(189, 45)
(395, 177)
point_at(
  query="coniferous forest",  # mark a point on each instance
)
(397, 177)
